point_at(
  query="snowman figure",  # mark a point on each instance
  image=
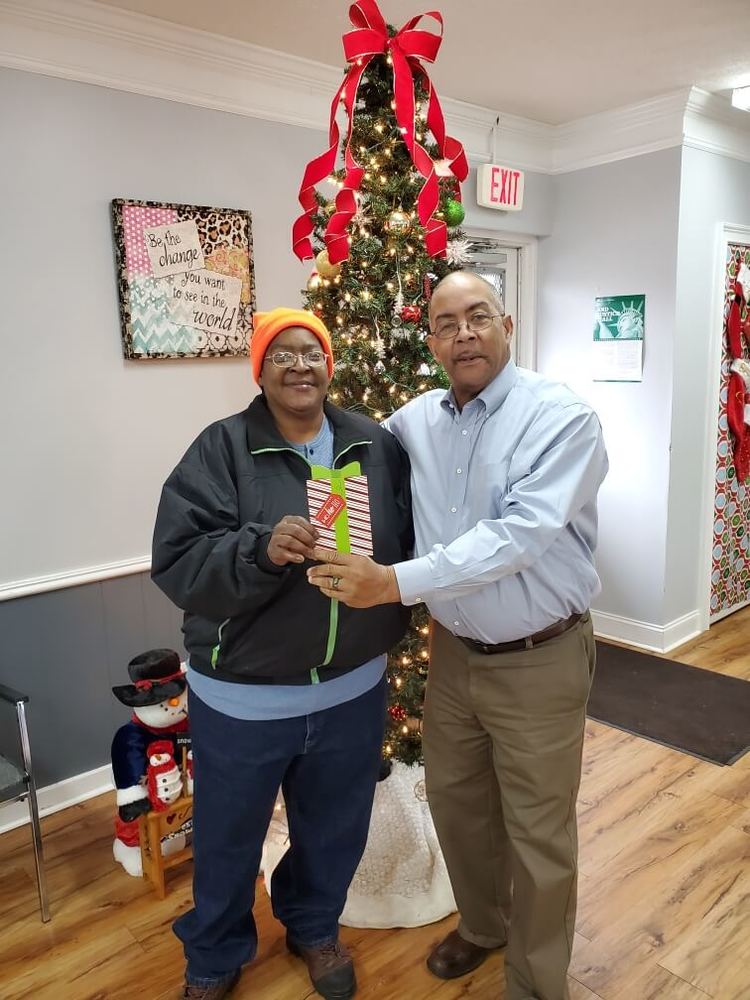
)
(145, 750)
(164, 780)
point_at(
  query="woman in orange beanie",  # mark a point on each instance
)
(268, 325)
(287, 687)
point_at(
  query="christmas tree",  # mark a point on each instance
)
(375, 301)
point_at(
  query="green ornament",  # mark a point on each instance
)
(453, 213)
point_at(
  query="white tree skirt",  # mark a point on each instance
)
(402, 880)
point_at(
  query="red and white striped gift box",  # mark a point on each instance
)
(357, 509)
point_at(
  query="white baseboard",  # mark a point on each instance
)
(59, 796)
(655, 638)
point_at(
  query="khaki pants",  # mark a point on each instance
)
(503, 737)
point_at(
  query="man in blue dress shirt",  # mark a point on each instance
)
(505, 471)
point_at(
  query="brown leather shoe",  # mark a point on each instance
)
(455, 957)
(216, 992)
(330, 966)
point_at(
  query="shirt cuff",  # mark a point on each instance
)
(414, 580)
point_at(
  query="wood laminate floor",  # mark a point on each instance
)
(664, 910)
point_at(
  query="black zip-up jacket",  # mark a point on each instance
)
(247, 619)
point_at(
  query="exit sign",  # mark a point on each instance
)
(500, 187)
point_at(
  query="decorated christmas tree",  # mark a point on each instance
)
(382, 229)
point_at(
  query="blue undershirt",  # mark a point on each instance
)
(287, 701)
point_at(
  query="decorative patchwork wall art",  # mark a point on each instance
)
(185, 278)
(730, 556)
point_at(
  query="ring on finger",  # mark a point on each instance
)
(335, 582)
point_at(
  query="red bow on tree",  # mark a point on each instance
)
(407, 48)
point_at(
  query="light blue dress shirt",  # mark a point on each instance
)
(286, 701)
(504, 496)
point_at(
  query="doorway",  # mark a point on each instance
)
(509, 265)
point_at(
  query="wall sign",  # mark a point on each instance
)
(500, 187)
(185, 277)
(619, 327)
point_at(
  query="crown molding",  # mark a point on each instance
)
(91, 43)
(621, 133)
(712, 124)
(525, 143)
(88, 42)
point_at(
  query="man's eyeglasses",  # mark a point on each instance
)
(478, 322)
(288, 359)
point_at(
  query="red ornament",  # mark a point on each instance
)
(397, 713)
(411, 314)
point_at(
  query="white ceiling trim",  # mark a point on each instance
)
(711, 123)
(624, 132)
(85, 41)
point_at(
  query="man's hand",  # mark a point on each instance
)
(356, 581)
(291, 541)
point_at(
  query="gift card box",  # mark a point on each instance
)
(344, 518)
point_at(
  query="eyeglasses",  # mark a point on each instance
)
(288, 359)
(478, 322)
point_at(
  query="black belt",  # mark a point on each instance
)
(528, 643)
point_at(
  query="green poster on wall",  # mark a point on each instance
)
(619, 327)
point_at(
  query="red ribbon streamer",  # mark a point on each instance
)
(408, 49)
(147, 685)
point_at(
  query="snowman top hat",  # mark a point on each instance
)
(156, 675)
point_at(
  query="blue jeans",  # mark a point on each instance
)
(327, 765)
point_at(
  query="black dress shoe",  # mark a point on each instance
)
(455, 957)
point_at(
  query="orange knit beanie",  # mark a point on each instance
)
(268, 325)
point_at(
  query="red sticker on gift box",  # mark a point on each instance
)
(330, 510)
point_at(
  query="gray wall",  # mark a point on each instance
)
(94, 436)
(715, 190)
(534, 219)
(615, 232)
(66, 649)
(88, 438)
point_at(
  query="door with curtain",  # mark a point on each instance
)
(730, 555)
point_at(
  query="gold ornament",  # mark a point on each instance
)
(313, 282)
(398, 221)
(325, 268)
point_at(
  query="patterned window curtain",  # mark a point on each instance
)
(730, 559)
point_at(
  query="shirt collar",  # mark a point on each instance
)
(492, 396)
(262, 433)
(324, 432)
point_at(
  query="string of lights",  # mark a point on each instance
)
(375, 305)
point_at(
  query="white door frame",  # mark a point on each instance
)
(726, 233)
(528, 257)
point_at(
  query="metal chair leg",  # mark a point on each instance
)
(36, 828)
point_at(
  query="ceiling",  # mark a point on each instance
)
(547, 60)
